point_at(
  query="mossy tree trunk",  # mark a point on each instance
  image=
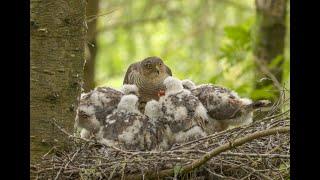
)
(91, 45)
(269, 41)
(57, 31)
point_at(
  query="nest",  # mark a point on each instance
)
(260, 150)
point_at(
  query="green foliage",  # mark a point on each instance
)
(239, 42)
(205, 41)
(276, 62)
(235, 53)
(263, 93)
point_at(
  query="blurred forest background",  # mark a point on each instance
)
(207, 41)
(243, 45)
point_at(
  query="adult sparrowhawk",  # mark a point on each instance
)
(148, 75)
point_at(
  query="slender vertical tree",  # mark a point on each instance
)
(57, 31)
(269, 40)
(91, 45)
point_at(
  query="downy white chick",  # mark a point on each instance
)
(126, 127)
(95, 105)
(183, 112)
(188, 84)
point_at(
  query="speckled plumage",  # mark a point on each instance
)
(127, 128)
(95, 105)
(148, 75)
(183, 112)
(225, 106)
(156, 117)
(188, 84)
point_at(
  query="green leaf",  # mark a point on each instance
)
(235, 32)
(276, 61)
(267, 92)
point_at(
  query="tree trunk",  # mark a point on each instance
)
(91, 45)
(269, 40)
(57, 33)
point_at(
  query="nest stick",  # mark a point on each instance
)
(202, 160)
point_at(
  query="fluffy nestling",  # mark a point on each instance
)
(95, 105)
(225, 107)
(159, 125)
(130, 89)
(153, 111)
(126, 127)
(188, 84)
(182, 111)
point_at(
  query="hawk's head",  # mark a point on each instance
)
(153, 67)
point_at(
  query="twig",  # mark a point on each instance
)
(264, 69)
(87, 140)
(214, 152)
(114, 169)
(93, 17)
(123, 168)
(131, 23)
(215, 174)
(172, 14)
(74, 155)
(255, 172)
(256, 155)
(229, 130)
(48, 152)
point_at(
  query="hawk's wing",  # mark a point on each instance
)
(168, 70)
(133, 68)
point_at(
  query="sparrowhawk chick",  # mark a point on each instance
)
(224, 106)
(162, 129)
(95, 105)
(188, 84)
(127, 128)
(148, 75)
(184, 114)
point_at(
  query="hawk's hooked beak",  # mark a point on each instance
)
(158, 70)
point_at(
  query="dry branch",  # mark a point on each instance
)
(214, 152)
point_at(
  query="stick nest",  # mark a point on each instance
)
(260, 150)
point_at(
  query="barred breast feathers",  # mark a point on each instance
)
(147, 87)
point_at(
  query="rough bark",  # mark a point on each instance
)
(91, 45)
(57, 31)
(269, 39)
